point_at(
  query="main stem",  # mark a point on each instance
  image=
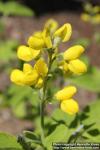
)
(43, 99)
(42, 119)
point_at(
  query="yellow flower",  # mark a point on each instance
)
(73, 52)
(65, 93)
(69, 106)
(64, 32)
(47, 38)
(77, 66)
(26, 53)
(17, 77)
(36, 42)
(28, 76)
(41, 67)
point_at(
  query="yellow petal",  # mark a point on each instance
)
(39, 83)
(63, 66)
(35, 42)
(17, 77)
(73, 52)
(51, 24)
(77, 66)
(25, 53)
(30, 78)
(48, 42)
(47, 38)
(64, 32)
(65, 93)
(38, 34)
(27, 68)
(69, 106)
(41, 67)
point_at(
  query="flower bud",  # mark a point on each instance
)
(35, 43)
(73, 52)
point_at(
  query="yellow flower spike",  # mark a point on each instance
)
(39, 83)
(41, 67)
(73, 52)
(26, 53)
(30, 78)
(27, 68)
(35, 42)
(51, 24)
(77, 66)
(64, 32)
(65, 93)
(69, 106)
(17, 77)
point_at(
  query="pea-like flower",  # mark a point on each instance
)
(26, 53)
(32, 76)
(64, 32)
(71, 62)
(67, 104)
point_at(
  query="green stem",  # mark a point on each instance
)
(43, 100)
(42, 119)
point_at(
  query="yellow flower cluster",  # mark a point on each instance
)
(32, 76)
(91, 14)
(42, 47)
(67, 104)
(71, 63)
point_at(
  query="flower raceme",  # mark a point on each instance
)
(42, 48)
(67, 104)
(71, 62)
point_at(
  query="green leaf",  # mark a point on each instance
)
(89, 81)
(91, 116)
(60, 116)
(90, 113)
(60, 134)
(14, 8)
(7, 50)
(32, 137)
(8, 142)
